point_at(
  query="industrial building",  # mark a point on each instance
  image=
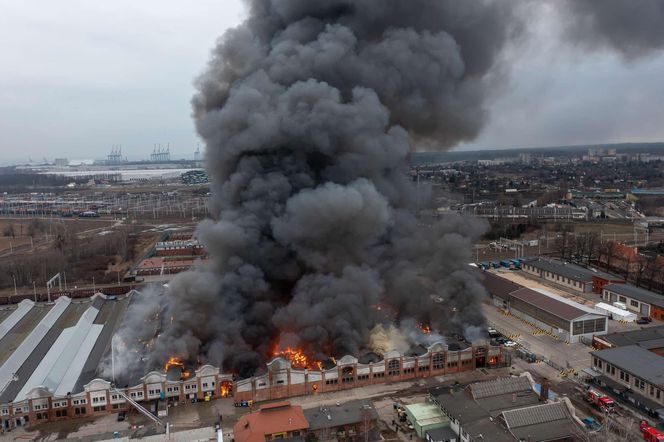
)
(50, 354)
(505, 410)
(499, 289)
(638, 300)
(282, 380)
(562, 317)
(569, 275)
(651, 338)
(634, 373)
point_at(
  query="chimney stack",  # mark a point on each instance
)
(544, 390)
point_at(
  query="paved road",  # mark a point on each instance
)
(565, 355)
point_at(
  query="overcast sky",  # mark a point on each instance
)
(78, 77)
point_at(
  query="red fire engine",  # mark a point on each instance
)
(651, 434)
(601, 401)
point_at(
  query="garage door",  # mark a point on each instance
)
(614, 298)
(645, 309)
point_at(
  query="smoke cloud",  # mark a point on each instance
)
(632, 28)
(309, 110)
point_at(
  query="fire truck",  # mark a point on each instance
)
(601, 401)
(650, 434)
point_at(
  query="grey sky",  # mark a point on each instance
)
(79, 76)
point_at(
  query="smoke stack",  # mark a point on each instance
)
(544, 390)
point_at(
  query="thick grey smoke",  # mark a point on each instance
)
(634, 28)
(309, 111)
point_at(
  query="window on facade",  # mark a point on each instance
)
(638, 383)
(438, 361)
(393, 367)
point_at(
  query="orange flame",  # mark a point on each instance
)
(297, 358)
(426, 329)
(225, 389)
(173, 361)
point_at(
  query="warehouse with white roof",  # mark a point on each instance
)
(568, 320)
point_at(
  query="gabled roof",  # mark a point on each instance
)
(636, 360)
(568, 270)
(537, 414)
(637, 293)
(500, 386)
(564, 310)
(541, 422)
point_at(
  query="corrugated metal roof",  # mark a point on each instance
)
(500, 386)
(549, 304)
(637, 293)
(498, 286)
(538, 414)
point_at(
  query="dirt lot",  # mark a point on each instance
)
(21, 228)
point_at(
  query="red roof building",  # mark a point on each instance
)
(279, 420)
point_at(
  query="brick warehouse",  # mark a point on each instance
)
(281, 380)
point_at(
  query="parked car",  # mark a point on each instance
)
(121, 416)
(643, 320)
(510, 344)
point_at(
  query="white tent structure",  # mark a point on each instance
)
(615, 312)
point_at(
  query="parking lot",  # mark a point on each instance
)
(564, 355)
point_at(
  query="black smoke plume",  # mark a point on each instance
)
(309, 110)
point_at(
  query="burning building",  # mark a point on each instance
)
(309, 110)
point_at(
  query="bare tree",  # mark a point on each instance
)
(608, 253)
(9, 231)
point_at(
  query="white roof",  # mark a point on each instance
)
(62, 365)
(614, 310)
(25, 349)
(23, 308)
